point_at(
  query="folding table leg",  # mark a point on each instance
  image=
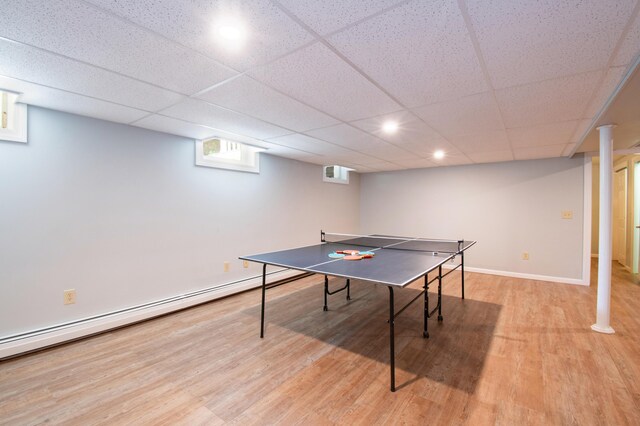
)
(264, 290)
(462, 271)
(392, 358)
(326, 292)
(425, 333)
(440, 293)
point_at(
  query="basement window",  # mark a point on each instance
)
(13, 118)
(336, 174)
(230, 155)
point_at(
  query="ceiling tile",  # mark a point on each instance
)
(47, 97)
(581, 129)
(318, 77)
(568, 149)
(327, 16)
(534, 152)
(541, 135)
(200, 112)
(491, 156)
(611, 80)
(532, 40)
(411, 129)
(451, 159)
(495, 140)
(630, 48)
(549, 101)
(83, 32)
(352, 138)
(311, 145)
(175, 127)
(38, 66)
(468, 115)
(415, 163)
(420, 52)
(283, 151)
(270, 32)
(254, 98)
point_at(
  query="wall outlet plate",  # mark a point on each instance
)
(69, 297)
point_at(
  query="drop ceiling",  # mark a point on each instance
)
(485, 81)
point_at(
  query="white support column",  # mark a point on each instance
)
(606, 212)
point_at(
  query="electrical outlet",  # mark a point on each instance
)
(245, 263)
(227, 266)
(69, 297)
(525, 256)
(567, 214)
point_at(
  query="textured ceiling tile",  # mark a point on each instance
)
(534, 152)
(468, 115)
(254, 98)
(47, 97)
(83, 32)
(311, 145)
(630, 48)
(491, 156)
(420, 52)
(532, 40)
(549, 101)
(270, 32)
(175, 127)
(200, 112)
(41, 67)
(411, 130)
(580, 130)
(611, 80)
(327, 16)
(545, 134)
(352, 138)
(317, 77)
(415, 163)
(495, 140)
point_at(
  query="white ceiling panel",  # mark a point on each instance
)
(27, 63)
(175, 127)
(328, 16)
(47, 97)
(494, 140)
(630, 47)
(545, 134)
(270, 32)
(491, 156)
(532, 40)
(611, 80)
(352, 138)
(283, 151)
(311, 145)
(254, 98)
(81, 31)
(318, 77)
(535, 152)
(468, 115)
(452, 159)
(415, 163)
(580, 130)
(420, 52)
(549, 101)
(200, 112)
(411, 129)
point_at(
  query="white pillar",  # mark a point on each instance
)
(606, 212)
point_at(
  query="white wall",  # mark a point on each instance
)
(509, 208)
(123, 216)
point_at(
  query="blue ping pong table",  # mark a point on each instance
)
(396, 263)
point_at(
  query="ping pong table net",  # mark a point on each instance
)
(375, 242)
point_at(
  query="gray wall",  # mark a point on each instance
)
(509, 208)
(124, 216)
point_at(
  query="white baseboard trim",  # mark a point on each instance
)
(38, 339)
(562, 280)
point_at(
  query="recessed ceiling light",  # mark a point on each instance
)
(230, 32)
(438, 155)
(390, 127)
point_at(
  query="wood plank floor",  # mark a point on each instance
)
(514, 352)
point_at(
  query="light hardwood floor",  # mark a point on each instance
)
(514, 352)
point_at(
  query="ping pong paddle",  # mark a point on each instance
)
(352, 257)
